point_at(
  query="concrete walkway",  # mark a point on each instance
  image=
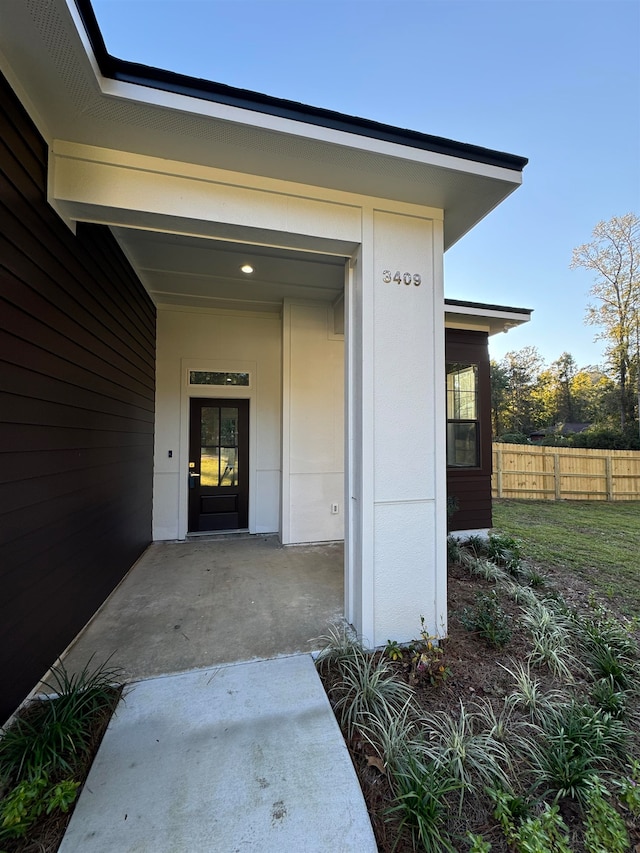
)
(246, 757)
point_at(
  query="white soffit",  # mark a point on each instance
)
(487, 318)
(181, 270)
(45, 53)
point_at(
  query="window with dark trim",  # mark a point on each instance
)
(463, 428)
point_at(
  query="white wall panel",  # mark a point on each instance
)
(313, 412)
(404, 364)
(267, 498)
(165, 505)
(405, 577)
(311, 497)
(208, 340)
(396, 405)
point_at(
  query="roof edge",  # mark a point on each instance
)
(485, 306)
(181, 84)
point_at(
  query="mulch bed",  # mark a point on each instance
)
(47, 833)
(474, 672)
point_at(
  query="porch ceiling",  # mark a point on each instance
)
(46, 54)
(206, 273)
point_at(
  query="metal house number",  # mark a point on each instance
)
(402, 278)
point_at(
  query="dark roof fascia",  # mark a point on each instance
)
(194, 87)
(460, 303)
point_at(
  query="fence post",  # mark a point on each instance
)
(607, 468)
(556, 476)
(499, 471)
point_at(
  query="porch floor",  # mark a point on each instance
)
(188, 605)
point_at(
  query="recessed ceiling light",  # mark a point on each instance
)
(247, 269)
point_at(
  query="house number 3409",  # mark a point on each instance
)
(402, 277)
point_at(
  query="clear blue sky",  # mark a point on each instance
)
(557, 81)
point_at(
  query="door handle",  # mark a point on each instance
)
(192, 479)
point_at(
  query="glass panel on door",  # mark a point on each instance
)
(219, 446)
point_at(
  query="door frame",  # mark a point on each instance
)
(195, 513)
(215, 392)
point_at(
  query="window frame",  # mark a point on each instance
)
(473, 421)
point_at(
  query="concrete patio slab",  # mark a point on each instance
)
(246, 757)
(189, 605)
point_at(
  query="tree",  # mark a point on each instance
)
(545, 395)
(594, 396)
(499, 386)
(564, 370)
(613, 256)
(520, 368)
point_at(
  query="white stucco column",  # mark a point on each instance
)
(396, 485)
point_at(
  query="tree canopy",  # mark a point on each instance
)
(613, 255)
(529, 396)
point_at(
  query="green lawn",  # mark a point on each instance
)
(599, 541)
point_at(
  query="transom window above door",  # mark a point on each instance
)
(219, 378)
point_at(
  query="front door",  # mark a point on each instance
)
(218, 464)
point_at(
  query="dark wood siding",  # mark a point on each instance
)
(77, 372)
(471, 487)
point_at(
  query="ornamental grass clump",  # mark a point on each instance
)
(528, 695)
(421, 802)
(578, 741)
(362, 686)
(54, 734)
(609, 652)
(550, 629)
(467, 750)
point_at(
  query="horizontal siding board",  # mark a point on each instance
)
(61, 555)
(114, 267)
(67, 263)
(118, 385)
(26, 286)
(16, 183)
(40, 493)
(46, 258)
(31, 411)
(22, 382)
(40, 334)
(46, 437)
(31, 465)
(24, 546)
(77, 390)
(35, 144)
(74, 587)
(23, 167)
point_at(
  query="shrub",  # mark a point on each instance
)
(488, 620)
(607, 438)
(514, 438)
(605, 829)
(24, 804)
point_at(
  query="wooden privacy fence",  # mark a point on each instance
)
(565, 473)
